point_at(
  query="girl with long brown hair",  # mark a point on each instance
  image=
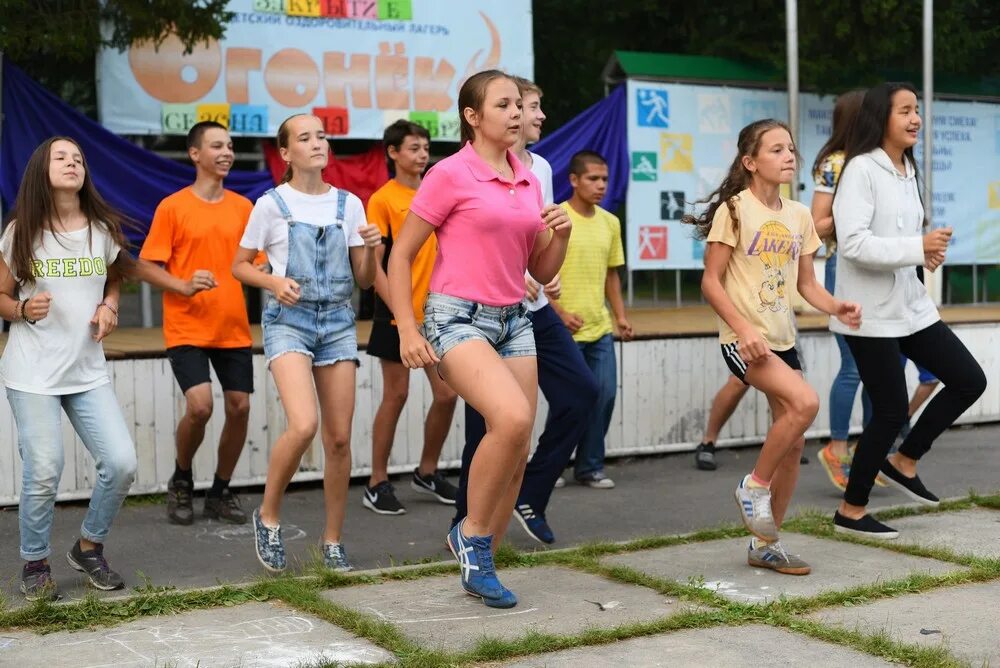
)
(759, 245)
(59, 290)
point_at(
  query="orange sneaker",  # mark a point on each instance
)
(838, 469)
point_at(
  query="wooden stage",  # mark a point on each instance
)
(648, 323)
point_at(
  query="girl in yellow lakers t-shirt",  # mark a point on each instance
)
(760, 248)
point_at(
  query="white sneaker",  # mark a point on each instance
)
(560, 482)
(755, 511)
(596, 480)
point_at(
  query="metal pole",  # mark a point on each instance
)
(1, 112)
(145, 292)
(630, 292)
(792, 48)
(677, 286)
(975, 284)
(928, 109)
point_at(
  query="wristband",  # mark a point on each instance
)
(24, 316)
(109, 307)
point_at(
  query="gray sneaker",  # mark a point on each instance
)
(93, 563)
(335, 558)
(596, 480)
(268, 544)
(774, 557)
(225, 508)
(755, 511)
(37, 583)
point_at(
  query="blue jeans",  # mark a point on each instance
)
(845, 385)
(99, 423)
(600, 357)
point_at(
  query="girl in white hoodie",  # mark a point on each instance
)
(879, 219)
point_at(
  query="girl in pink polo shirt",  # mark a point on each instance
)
(487, 212)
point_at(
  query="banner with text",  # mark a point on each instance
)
(357, 64)
(682, 140)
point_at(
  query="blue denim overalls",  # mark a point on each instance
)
(321, 323)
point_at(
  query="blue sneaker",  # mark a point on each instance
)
(267, 541)
(533, 524)
(479, 575)
(335, 558)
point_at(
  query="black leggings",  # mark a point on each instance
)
(938, 350)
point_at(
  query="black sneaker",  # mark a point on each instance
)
(95, 566)
(225, 508)
(436, 485)
(866, 527)
(37, 583)
(912, 487)
(180, 506)
(704, 456)
(382, 499)
(803, 460)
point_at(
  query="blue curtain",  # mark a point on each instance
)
(602, 127)
(130, 178)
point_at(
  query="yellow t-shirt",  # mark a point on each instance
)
(387, 209)
(764, 267)
(595, 244)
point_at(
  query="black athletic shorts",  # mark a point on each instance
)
(731, 353)
(384, 341)
(233, 366)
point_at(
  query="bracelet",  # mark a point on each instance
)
(109, 307)
(24, 317)
(18, 311)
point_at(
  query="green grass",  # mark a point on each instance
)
(702, 608)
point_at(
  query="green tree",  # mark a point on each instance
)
(56, 41)
(842, 44)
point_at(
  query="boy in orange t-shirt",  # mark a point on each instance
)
(196, 232)
(407, 147)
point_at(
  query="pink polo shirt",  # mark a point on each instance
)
(486, 227)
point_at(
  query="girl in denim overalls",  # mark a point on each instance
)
(318, 243)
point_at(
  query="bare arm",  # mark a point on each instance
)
(847, 312)
(613, 292)
(822, 214)
(154, 274)
(105, 319)
(752, 344)
(381, 279)
(414, 349)
(284, 289)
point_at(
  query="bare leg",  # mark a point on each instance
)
(438, 422)
(234, 433)
(395, 389)
(723, 406)
(191, 428)
(335, 387)
(293, 375)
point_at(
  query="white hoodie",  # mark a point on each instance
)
(879, 221)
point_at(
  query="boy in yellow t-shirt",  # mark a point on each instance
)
(589, 277)
(407, 147)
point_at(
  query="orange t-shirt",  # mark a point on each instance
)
(387, 208)
(188, 234)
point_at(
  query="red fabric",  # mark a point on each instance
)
(361, 174)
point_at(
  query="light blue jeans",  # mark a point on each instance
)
(600, 357)
(98, 421)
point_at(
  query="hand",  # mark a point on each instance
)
(752, 346)
(936, 241)
(285, 290)
(201, 280)
(572, 321)
(625, 329)
(531, 288)
(848, 313)
(415, 351)
(371, 235)
(553, 289)
(557, 220)
(104, 322)
(933, 260)
(38, 306)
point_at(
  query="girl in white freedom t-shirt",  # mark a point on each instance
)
(56, 292)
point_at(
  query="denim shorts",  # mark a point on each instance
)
(449, 321)
(325, 332)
